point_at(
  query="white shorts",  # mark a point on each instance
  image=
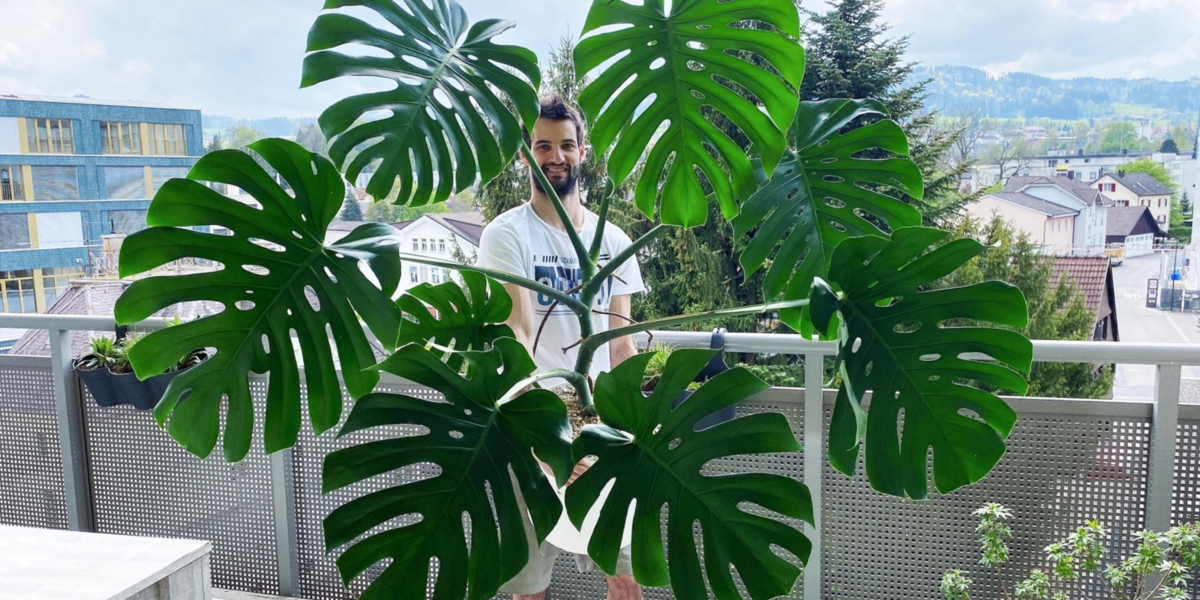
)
(535, 577)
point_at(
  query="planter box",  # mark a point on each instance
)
(113, 389)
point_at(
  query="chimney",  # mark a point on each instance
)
(1121, 173)
(1081, 151)
(1125, 151)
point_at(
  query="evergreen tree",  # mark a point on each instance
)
(1185, 204)
(351, 210)
(849, 55)
(215, 144)
(1057, 309)
(1169, 147)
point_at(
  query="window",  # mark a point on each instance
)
(159, 176)
(1162, 202)
(56, 280)
(436, 275)
(412, 271)
(55, 183)
(167, 140)
(121, 138)
(11, 187)
(442, 245)
(14, 231)
(424, 245)
(424, 273)
(50, 136)
(59, 229)
(415, 245)
(125, 183)
(1161, 219)
(16, 292)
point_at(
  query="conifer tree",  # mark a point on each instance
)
(351, 210)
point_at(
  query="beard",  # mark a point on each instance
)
(561, 189)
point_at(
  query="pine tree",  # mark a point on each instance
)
(849, 55)
(1185, 203)
(351, 210)
(1169, 147)
(215, 144)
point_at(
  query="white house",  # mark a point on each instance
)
(1138, 189)
(1184, 170)
(435, 235)
(1064, 216)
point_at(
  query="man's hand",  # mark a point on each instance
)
(620, 348)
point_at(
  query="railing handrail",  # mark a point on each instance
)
(763, 343)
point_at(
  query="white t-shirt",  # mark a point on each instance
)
(521, 243)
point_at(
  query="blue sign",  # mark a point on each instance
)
(1176, 276)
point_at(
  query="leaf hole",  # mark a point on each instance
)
(250, 292)
(414, 61)
(697, 94)
(907, 327)
(467, 411)
(310, 294)
(823, 143)
(259, 270)
(869, 367)
(266, 344)
(657, 63)
(930, 357)
(703, 27)
(456, 435)
(833, 179)
(289, 312)
(856, 345)
(838, 226)
(889, 302)
(694, 45)
(330, 275)
(695, 66)
(297, 235)
(313, 164)
(657, 428)
(674, 444)
(828, 161)
(934, 377)
(244, 305)
(834, 203)
(266, 245)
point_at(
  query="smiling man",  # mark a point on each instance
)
(531, 241)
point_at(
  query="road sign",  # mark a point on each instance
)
(1176, 275)
(1151, 293)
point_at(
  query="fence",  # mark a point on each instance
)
(64, 462)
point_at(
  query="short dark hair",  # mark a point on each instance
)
(556, 109)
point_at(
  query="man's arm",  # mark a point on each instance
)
(521, 319)
(620, 348)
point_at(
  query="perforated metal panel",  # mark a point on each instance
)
(1185, 498)
(319, 579)
(31, 476)
(1058, 472)
(144, 483)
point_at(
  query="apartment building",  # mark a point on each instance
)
(73, 170)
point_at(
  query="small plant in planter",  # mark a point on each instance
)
(109, 376)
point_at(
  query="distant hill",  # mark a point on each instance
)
(1034, 96)
(272, 126)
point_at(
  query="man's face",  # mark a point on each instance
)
(558, 153)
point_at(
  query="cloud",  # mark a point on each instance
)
(243, 58)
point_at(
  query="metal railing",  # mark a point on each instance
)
(1163, 415)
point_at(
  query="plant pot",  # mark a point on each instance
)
(113, 389)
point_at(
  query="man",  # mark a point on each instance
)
(531, 241)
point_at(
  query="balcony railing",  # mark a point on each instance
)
(66, 463)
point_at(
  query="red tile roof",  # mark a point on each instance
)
(1090, 274)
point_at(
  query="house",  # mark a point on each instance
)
(1135, 227)
(438, 235)
(1064, 216)
(1094, 278)
(1138, 189)
(1183, 168)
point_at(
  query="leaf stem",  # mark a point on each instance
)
(595, 341)
(578, 381)
(598, 239)
(593, 285)
(563, 298)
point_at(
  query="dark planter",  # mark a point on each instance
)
(113, 389)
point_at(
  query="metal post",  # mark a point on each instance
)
(284, 504)
(72, 440)
(814, 460)
(1163, 432)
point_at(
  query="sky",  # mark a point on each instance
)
(242, 58)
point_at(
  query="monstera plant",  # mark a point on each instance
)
(843, 258)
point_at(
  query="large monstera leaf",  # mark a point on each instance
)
(278, 277)
(445, 316)
(476, 441)
(823, 193)
(671, 68)
(447, 122)
(655, 456)
(911, 347)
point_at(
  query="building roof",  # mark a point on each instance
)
(1035, 204)
(83, 100)
(467, 225)
(1142, 184)
(1079, 189)
(1124, 221)
(94, 297)
(1093, 276)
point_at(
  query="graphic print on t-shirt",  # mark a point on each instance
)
(561, 274)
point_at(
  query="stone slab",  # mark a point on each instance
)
(49, 564)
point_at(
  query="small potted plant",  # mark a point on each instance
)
(109, 377)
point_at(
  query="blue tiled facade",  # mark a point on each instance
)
(97, 211)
